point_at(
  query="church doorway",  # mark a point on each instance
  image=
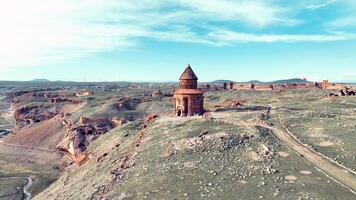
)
(179, 113)
(185, 105)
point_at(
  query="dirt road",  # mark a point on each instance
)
(335, 171)
(339, 173)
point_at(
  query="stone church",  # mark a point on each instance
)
(189, 100)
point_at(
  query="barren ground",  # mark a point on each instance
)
(303, 149)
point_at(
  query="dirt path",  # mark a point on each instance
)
(339, 173)
(335, 171)
(27, 188)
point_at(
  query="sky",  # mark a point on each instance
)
(154, 40)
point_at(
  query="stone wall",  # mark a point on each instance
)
(189, 105)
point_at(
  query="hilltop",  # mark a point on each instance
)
(40, 80)
(196, 158)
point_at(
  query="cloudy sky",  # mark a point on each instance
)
(153, 40)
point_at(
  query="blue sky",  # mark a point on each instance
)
(153, 40)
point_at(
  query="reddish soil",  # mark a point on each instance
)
(46, 134)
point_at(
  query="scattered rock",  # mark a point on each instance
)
(306, 172)
(290, 178)
(283, 154)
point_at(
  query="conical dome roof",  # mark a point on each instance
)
(188, 74)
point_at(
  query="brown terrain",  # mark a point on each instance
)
(65, 133)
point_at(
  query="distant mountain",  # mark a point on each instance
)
(254, 81)
(288, 81)
(223, 81)
(40, 80)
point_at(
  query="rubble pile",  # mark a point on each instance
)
(149, 119)
(233, 103)
(342, 92)
(332, 95)
(348, 92)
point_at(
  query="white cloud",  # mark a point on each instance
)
(237, 37)
(255, 13)
(43, 31)
(319, 4)
(36, 31)
(349, 18)
(343, 22)
(39, 31)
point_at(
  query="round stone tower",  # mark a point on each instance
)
(189, 100)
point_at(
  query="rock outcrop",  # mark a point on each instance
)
(31, 114)
(157, 93)
(78, 137)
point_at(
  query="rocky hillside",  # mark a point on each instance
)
(128, 146)
(225, 157)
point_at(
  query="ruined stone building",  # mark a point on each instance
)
(325, 84)
(225, 86)
(188, 98)
(231, 86)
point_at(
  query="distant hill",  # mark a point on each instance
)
(254, 81)
(285, 81)
(223, 81)
(288, 81)
(40, 80)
